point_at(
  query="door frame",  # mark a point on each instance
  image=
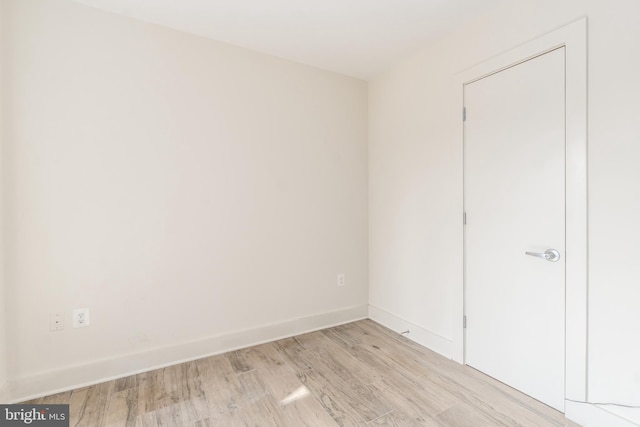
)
(574, 38)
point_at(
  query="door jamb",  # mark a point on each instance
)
(574, 38)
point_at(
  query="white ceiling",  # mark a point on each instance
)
(359, 38)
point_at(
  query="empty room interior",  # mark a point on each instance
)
(356, 212)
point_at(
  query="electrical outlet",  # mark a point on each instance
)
(80, 317)
(341, 279)
(56, 322)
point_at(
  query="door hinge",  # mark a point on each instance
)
(464, 322)
(464, 114)
(464, 218)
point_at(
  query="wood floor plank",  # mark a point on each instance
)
(238, 362)
(357, 374)
(203, 423)
(152, 394)
(167, 416)
(468, 383)
(463, 415)
(125, 383)
(221, 386)
(263, 409)
(395, 378)
(340, 406)
(520, 399)
(191, 392)
(295, 399)
(282, 381)
(294, 352)
(399, 419)
(123, 408)
(487, 400)
(415, 358)
(88, 405)
(352, 380)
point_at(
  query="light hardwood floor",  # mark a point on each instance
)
(358, 374)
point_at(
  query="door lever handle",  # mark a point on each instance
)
(550, 255)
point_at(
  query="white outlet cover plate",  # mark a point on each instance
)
(80, 317)
(56, 321)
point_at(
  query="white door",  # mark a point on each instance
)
(514, 142)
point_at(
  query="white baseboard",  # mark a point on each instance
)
(630, 414)
(43, 384)
(424, 337)
(589, 415)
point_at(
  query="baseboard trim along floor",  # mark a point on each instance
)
(46, 383)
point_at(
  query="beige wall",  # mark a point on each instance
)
(179, 188)
(3, 302)
(415, 174)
